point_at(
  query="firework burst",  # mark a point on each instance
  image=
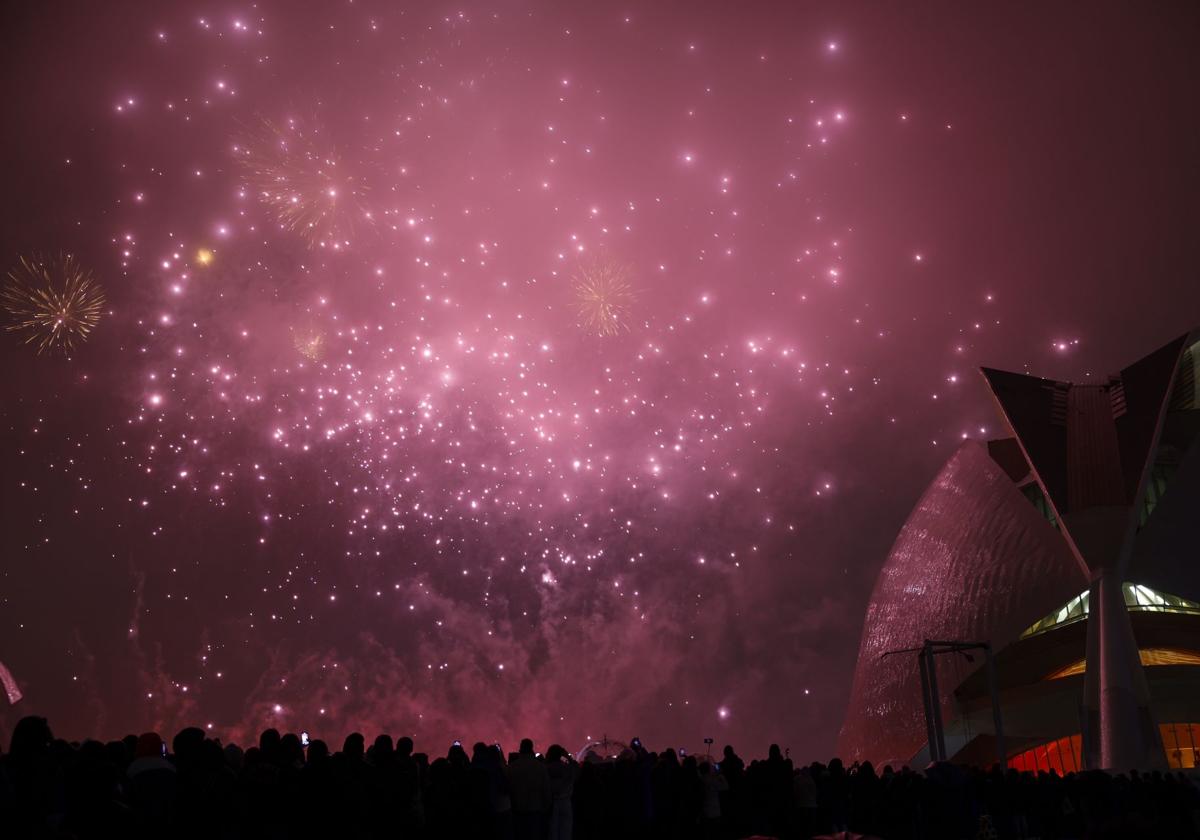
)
(604, 296)
(53, 302)
(309, 343)
(304, 183)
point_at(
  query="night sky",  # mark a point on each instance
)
(488, 370)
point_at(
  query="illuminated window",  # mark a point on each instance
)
(1138, 598)
(1181, 742)
(1062, 755)
(1149, 656)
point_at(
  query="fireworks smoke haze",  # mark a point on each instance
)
(552, 370)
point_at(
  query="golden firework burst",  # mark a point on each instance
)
(309, 342)
(52, 301)
(303, 182)
(604, 296)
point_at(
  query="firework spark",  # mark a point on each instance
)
(604, 296)
(53, 302)
(304, 183)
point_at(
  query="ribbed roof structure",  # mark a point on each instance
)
(975, 560)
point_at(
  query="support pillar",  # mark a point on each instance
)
(1119, 733)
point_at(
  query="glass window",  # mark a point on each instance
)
(1181, 742)
(1043, 762)
(1137, 598)
(1053, 758)
(1151, 657)
(1187, 747)
(1067, 755)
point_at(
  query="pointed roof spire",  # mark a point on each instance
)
(1089, 445)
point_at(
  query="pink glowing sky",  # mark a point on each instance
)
(463, 514)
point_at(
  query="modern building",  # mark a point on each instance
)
(1073, 548)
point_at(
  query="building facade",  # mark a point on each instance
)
(1073, 548)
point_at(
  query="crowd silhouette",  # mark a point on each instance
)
(281, 788)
